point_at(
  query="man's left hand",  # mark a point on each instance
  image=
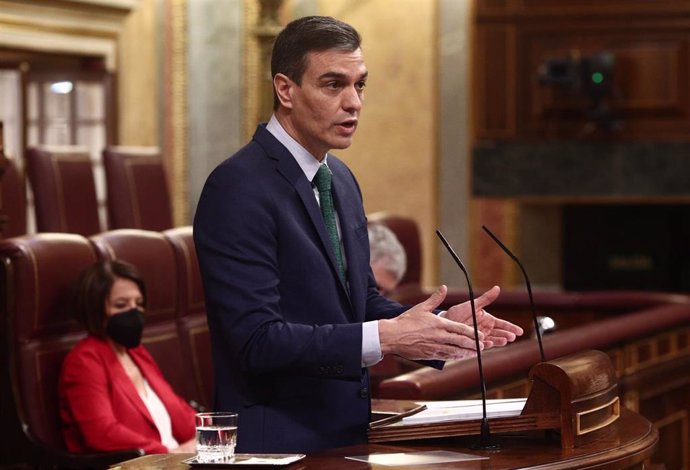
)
(497, 332)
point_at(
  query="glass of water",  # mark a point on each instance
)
(216, 436)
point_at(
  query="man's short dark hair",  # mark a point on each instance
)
(309, 34)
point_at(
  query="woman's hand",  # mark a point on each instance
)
(188, 447)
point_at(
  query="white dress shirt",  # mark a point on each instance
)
(371, 346)
(160, 416)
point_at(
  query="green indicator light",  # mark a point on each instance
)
(597, 77)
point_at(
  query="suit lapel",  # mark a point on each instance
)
(291, 171)
(126, 386)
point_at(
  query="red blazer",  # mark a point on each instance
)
(101, 409)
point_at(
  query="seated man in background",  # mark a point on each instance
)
(388, 259)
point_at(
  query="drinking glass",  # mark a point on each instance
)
(216, 436)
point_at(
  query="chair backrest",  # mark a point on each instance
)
(138, 195)
(192, 321)
(152, 253)
(62, 181)
(407, 232)
(13, 200)
(38, 271)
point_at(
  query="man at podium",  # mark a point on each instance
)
(293, 310)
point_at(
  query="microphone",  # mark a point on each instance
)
(485, 433)
(537, 327)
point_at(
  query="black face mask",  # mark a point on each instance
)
(126, 328)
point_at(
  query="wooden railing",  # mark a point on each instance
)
(650, 350)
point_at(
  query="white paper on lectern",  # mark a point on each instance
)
(459, 410)
(465, 403)
(415, 459)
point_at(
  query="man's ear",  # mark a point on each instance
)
(283, 87)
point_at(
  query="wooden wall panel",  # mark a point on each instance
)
(542, 8)
(515, 116)
(666, 406)
(653, 382)
(651, 44)
(646, 71)
(655, 68)
(495, 82)
(649, 95)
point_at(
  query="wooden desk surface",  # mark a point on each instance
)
(631, 442)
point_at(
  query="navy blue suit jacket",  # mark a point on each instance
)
(286, 333)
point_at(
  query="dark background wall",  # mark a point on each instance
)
(582, 103)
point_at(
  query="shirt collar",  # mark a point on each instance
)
(305, 160)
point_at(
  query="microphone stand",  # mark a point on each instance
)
(485, 431)
(537, 328)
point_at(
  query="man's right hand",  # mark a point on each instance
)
(419, 334)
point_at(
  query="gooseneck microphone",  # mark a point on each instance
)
(485, 432)
(537, 328)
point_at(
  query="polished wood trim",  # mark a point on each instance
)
(633, 442)
(614, 403)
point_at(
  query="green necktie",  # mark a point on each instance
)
(322, 180)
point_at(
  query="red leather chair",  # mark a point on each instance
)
(153, 255)
(64, 190)
(36, 274)
(13, 200)
(192, 322)
(138, 195)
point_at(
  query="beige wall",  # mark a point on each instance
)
(138, 91)
(394, 154)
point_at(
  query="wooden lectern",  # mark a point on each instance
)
(576, 395)
(582, 390)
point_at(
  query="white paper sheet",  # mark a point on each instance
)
(459, 410)
(415, 458)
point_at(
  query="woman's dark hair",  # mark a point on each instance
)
(92, 288)
(305, 35)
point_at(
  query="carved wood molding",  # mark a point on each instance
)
(121, 5)
(175, 119)
(517, 42)
(578, 9)
(262, 26)
(83, 27)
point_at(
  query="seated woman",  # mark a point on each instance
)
(112, 394)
